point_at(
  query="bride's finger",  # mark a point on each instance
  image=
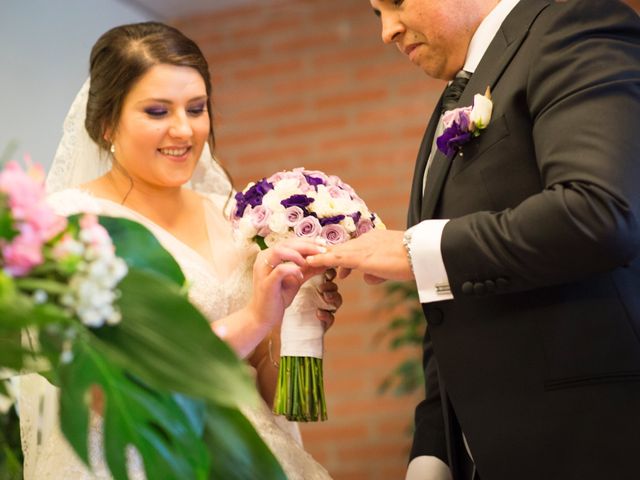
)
(326, 317)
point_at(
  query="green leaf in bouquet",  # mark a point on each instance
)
(12, 353)
(137, 246)
(7, 232)
(237, 452)
(165, 432)
(166, 341)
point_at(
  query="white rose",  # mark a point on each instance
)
(246, 227)
(349, 224)
(287, 187)
(278, 224)
(481, 113)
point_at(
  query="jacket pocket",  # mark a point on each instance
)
(476, 147)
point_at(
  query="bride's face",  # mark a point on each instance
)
(163, 126)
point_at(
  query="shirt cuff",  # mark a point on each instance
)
(427, 467)
(426, 258)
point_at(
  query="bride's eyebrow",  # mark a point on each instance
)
(170, 102)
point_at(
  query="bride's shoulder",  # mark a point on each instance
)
(74, 200)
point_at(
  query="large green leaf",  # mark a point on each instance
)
(140, 249)
(166, 341)
(232, 441)
(165, 435)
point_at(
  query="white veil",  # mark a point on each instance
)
(78, 158)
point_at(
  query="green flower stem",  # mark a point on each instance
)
(300, 390)
(49, 286)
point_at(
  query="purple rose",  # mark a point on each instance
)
(301, 201)
(356, 217)
(253, 196)
(334, 234)
(331, 220)
(363, 226)
(452, 139)
(457, 132)
(309, 227)
(293, 215)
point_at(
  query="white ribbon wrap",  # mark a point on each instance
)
(302, 334)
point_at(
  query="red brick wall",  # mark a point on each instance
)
(309, 83)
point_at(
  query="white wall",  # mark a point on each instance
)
(44, 59)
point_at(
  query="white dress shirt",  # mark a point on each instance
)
(426, 236)
(426, 256)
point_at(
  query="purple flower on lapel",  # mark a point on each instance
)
(464, 123)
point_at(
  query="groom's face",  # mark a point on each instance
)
(434, 34)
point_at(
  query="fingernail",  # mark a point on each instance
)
(322, 250)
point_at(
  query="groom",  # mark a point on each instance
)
(524, 241)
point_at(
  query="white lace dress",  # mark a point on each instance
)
(48, 455)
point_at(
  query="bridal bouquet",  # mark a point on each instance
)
(308, 204)
(96, 302)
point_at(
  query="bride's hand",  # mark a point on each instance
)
(278, 273)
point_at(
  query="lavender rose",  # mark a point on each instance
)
(334, 234)
(260, 218)
(309, 227)
(293, 215)
(364, 225)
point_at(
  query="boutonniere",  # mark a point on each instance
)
(464, 123)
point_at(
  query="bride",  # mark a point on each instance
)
(137, 144)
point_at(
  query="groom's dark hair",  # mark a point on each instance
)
(124, 54)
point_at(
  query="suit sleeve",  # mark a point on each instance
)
(583, 99)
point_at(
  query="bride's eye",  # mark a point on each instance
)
(197, 110)
(155, 112)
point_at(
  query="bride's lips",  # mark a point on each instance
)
(176, 154)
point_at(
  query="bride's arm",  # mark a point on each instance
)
(278, 273)
(265, 360)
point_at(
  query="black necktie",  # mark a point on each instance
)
(454, 90)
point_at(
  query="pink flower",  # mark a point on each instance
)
(23, 253)
(44, 220)
(24, 193)
(309, 227)
(27, 200)
(334, 234)
(93, 234)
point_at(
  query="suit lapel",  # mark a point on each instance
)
(415, 204)
(497, 57)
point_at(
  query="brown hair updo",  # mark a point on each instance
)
(124, 54)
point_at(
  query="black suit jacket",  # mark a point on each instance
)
(537, 358)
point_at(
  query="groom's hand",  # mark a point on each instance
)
(379, 254)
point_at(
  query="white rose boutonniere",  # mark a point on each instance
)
(464, 123)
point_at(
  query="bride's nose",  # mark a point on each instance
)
(180, 126)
